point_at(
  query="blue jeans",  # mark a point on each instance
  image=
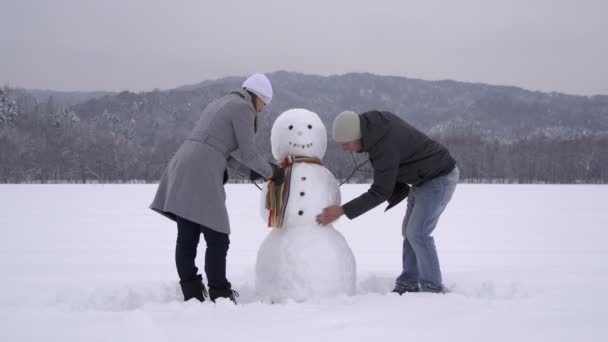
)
(425, 204)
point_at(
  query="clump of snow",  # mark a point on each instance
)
(303, 263)
(298, 132)
(313, 188)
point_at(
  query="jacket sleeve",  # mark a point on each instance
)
(386, 166)
(235, 165)
(242, 124)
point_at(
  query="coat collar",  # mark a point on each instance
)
(244, 94)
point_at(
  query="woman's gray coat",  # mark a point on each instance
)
(192, 184)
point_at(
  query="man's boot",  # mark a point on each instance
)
(194, 288)
(401, 289)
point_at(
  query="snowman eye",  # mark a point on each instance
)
(290, 126)
(309, 126)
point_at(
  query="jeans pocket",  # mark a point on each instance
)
(448, 191)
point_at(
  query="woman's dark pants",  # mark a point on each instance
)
(188, 236)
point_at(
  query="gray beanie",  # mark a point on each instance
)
(347, 127)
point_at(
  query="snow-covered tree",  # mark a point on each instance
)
(8, 109)
(66, 117)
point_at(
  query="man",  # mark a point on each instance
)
(401, 156)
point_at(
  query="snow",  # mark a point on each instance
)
(523, 263)
(313, 187)
(298, 132)
(303, 261)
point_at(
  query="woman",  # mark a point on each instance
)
(191, 190)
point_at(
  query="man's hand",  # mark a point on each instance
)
(330, 214)
(400, 192)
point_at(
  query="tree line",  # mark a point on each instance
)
(45, 142)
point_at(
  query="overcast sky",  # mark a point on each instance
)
(549, 45)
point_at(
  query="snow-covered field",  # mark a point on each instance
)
(92, 263)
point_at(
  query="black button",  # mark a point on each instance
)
(303, 178)
(300, 213)
(301, 193)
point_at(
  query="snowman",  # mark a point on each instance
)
(299, 259)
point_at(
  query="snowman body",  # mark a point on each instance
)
(303, 260)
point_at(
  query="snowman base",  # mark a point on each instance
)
(304, 263)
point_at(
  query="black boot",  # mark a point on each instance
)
(225, 292)
(401, 289)
(194, 288)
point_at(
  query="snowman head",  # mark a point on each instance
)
(298, 132)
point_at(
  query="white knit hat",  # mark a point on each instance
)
(347, 127)
(260, 85)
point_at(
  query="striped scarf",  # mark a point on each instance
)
(278, 195)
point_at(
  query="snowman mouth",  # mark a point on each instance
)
(302, 146)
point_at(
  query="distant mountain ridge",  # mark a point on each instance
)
(505, 112)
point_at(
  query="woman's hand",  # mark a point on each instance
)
(254, 176)
(278, 174)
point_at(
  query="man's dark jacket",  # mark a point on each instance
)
(398, 153)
